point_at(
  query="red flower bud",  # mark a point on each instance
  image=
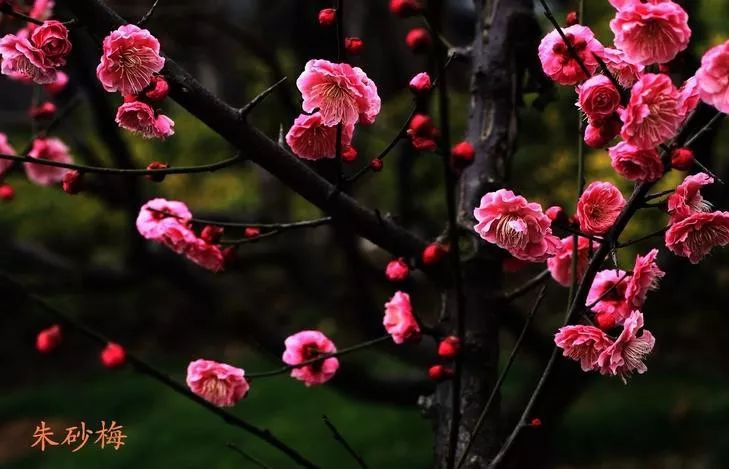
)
(682, 159)
(72, 182)
(156, 177)
(462, 155)
(536, 422)
(405, 8)
(449, 347)
(7, 193)
(418, 40)
(157, 90)
(440, 373)
(420, 83)
(43, 111)
(349, 154)
(605, 321)
(212, 233)
(571, 19)
(48, 339)
(251, 232)
(113, 355)
(376, 164)
(433, 253)
(353, 45)
(397, 270)
(599, 134)
(327, 17)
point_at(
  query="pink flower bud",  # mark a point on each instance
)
(212, 234)
(156, 177)
(449, 347)
(397, 270)
(682, 159)
(462, 155)
(157, 90)
(72, 182)
(420, 83)
(252, 232)
(376, 165)
(327, 17)
(349, 154)
(43, 111)
(48, 339)
(440, 373)
(113, 355)
(7, 193)
(418, 40)
(433, 253)
(571, 18)
(405, 8)
(353, 45)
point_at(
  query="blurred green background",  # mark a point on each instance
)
(83, 254)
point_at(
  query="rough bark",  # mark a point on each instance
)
(492, 125)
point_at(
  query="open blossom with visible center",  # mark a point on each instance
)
(560, 266)
(713, 77)
(512, 223)
(399, 321)
(583, 344)
(51, 149)
(627, 353)
(308, 345)
(598, 98)
(626, 73)
(696, 235)
(651, 32)
(599, 207)
(342, 93)
(6, 149)
(21, 60)
(635, 164)
(646, 275)
(558, 63)
(654, 113)
(687, 198)
(217, 383)
(607, 297)
(129, 59)
(140, 118)
(157, 210)
(310, 139)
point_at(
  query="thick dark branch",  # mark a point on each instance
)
(224, 120)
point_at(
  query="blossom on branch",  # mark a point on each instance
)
(635, 164)
(713, 77)
(310, 139)
(399, 321)
(217, 383)
(340, 92)
(627, 353)
(599, 207)
(598, 98)
(645, 277)
(130, 58)
(139, 118)
(512, 223)
(696, 235)
(624, 72)
(607, 298)
(51, 149)
(687, 198)
(583, 344)
(557, 60)
(308, 345)
(560, 266)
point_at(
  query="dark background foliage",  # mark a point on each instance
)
(83, 253)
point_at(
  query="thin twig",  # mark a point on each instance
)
(206, 168)
(643, 238)
(148, 15)
(264, 226)
(248, 108)
(340, 439)
(248, 457)
(144, 367)
(607, 292)
(526, 287)
(10, 11)
(502, 376)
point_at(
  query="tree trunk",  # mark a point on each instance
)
(498, 61)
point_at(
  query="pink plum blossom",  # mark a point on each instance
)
(687, 198)
(713, 77)
(217, 383)
(646, 275)
(131, 56)
(51, 149)
(51, 39)
(599, 207)
(206, 255)
(139, 118)
(21, 60)
(635, 164)
(598, 97)
(558, 63)
(399, 321)
(560, 266)
(6, 149)
(607, 297)
(342, 93)
(650, 32)
(512, 223)
(308, 345)
(583, 344)
(626, 73)
(696, 235)
(155, 211)
(310, 139)
(654, 113)
(627, 353)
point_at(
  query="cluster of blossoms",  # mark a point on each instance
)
(647, 111)
(35, 54)
(130, 64)
(333, 94)
(169, 223)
